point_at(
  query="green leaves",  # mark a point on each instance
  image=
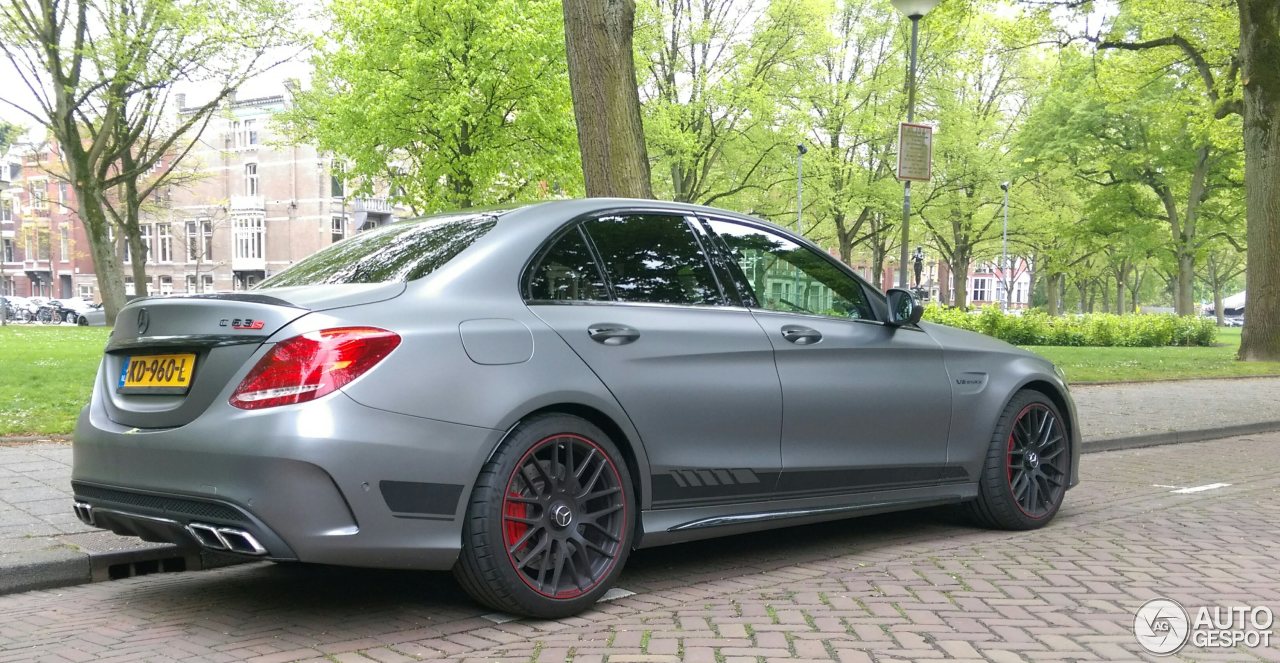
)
(457, 103)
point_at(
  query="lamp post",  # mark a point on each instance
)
(914, 10)
(1004, 250)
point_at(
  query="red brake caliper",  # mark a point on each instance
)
(512, 530)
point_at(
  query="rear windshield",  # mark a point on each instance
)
(399, 252)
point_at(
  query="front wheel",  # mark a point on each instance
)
(549, 525)
(1024, 478)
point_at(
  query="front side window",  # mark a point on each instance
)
(653, 258)
(787, 277)
(567, 273)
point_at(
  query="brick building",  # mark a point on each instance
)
(43, 248)
(246, 205)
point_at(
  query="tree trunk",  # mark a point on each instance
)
(1259, 53)
(1185, 304)
(106, 265)
(1053, 295)
(1217, 304)
(1105, 287)
(960, 279)
(606, 102)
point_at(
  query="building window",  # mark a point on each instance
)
(191, 283)
(250, 133)
(39, 196)
(338, 228)
(8, 251)
(64, 244)
(164, 242)
(128, 287)
(166, 285)
(146, 243)
(248, 238)
(206, 283)
(86, 291)
(1017, 293)
(981, 290)
(251, 179)
(63, 193)
(6, 210)
(337, 183)
(200, 240)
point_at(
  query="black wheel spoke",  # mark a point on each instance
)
(599, 493)
(586, 463)
(603, 531)
(523, 540)
(528, 557)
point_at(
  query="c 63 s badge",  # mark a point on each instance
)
(241, 323)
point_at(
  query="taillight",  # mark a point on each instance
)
(306, 367)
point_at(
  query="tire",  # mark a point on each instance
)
(537, 542)
(1028, 465)
(82, 321)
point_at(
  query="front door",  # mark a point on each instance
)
(695, 375)
(866, 407)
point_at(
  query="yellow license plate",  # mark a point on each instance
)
(157, 374)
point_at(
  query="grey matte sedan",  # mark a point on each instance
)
(525, 396)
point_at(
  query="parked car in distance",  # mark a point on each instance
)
(92, 316)
(526, 395)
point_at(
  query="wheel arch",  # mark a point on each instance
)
(628, 443)
(1051, 392)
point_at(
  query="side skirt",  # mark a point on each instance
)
(665, 526)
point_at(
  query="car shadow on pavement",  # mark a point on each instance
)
(314, 599)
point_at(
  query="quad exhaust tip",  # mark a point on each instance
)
(225, 538)
(84, 512)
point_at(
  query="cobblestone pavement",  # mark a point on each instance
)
(898, 587)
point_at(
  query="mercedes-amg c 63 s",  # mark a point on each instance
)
(525, 396)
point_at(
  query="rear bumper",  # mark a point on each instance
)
(331, 481)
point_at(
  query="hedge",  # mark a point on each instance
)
(1035, 327)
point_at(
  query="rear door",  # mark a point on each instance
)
(634, 296)
(866, 406)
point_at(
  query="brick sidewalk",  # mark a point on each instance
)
(42, 544)
(898, 587)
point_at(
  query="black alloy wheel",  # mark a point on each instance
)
(563, 515)
(549, 524)
(1027, 467)
(1037, 461)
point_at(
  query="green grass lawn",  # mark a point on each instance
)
(1086, 365)
(46, 374)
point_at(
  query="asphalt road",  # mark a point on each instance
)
(900, 587)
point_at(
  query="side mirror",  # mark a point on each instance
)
(904, 308)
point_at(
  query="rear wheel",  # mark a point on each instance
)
(549, 525)
(1027, 467)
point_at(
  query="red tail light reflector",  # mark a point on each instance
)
(306, 367)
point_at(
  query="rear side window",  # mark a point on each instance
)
(653, 258)
(399, 252)
(567, 273)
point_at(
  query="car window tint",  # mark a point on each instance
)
(567, 272)
(401, 251)
(653, 258)
(788, 277)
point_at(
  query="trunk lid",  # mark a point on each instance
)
(212, 337)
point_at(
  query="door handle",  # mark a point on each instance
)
(801, 335)
(612, 334)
